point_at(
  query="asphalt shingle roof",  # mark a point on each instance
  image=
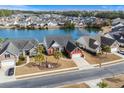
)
(70, 46)
(107, 41)
(118, 37)
(14, 46)
(21, 44)
(61, 40)
(92, 44)
(10, 48)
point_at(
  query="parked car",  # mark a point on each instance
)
(10, 71)
(121, 52)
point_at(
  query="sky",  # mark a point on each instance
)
(62, 7)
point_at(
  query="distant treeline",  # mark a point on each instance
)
(6, 12)
(101, 14)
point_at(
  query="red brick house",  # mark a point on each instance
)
(73, 50)
(63, 44)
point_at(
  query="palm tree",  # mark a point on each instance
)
(102, 85)
(57, 55)
(40, 56)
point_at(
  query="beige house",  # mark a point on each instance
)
(12, 49)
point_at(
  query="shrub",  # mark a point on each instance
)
(20, 63)
(22, 58)
(102, 85)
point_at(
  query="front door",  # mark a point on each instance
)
(27, 52)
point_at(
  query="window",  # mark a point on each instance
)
(7, 55)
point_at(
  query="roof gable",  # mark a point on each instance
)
(61, 40)
(10, 48)
(55, 44)
(70, 46)
(92, 43)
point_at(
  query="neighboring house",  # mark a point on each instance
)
(61, 43)
(114, 45)
(52, 23)
(94, 44)
(118, 25)
(9, 51)
(12, 49)
(89, 44)
(117, 36)
(117, 21)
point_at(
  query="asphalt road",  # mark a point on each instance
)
(66, 78)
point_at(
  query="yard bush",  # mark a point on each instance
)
(102, 85)
(22, 58)
(20, 63)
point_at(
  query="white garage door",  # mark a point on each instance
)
(8, 63)
(76, 55)
(114, 49)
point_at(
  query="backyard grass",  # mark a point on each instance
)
(106, 29)
(115, 82)
(80, 85)
(34, 69)
(93, 59)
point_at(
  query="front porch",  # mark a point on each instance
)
(28, 53)
(52, 50)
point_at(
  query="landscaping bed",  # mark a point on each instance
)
(30, 68)
(115, 82)
(96, 59)
(80, 85)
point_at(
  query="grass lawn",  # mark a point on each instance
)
(80, 85)
(115, 82)
(93, 59)
(34, 69)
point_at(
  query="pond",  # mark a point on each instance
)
(40, 34)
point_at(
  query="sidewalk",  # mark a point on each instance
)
(109, 63)
(82, 63)
(93, 83)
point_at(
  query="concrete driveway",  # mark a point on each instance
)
(93, 83)
(3, 74)
(82, 63)
(118, 54)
